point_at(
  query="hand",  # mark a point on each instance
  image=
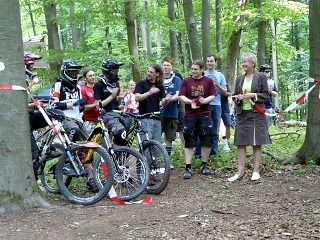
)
(122, 94)
(154, 90)
(195, 104)
(201, 101)
(69, 105)
(168, 97)
(114, 92)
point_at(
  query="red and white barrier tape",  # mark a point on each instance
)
(293, 105)
(112, 193)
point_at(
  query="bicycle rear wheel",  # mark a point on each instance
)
(131, 173)
(159, 162)
(76, 187)
(48, 177)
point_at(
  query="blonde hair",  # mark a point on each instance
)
(249, 57)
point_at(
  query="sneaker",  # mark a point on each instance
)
(255, 176)
(171, 165)
(225, 145)
(187, 173)
(204, 170)
(91, 185)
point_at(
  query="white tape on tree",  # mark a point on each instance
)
(2, 67)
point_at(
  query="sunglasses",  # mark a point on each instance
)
(267, 71)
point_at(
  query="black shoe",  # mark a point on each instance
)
(187, 173)
(35, 164)
(204, 170)
(92, 186)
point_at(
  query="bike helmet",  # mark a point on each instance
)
(29, 59)
(69, 73)
(264, 67)
(110, 69)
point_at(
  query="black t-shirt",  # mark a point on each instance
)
(151, 103)
(102, 91)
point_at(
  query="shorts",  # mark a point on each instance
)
(169, 127)
(199, 126)
(226, 118)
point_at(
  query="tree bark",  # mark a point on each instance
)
(145, 30)
(205, 24)
(73, 28)
(218, 33)
(262, 26)
(54, 41)
(172, 33)
(191, 30)
(18, 188)
(132, 42)
(310, 149)
(233, 47)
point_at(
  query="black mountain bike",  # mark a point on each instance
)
(155, 153)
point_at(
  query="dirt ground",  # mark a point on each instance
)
(283, 205)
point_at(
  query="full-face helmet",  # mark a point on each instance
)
(69, 73)
(110, 69)
(264, 67)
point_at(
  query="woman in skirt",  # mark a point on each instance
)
(251, 128)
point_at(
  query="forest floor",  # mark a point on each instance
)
(284, 204)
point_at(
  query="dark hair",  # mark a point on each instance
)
(159, 70)
(168, 59)
(212, 55)
(200, 63)
(85, 71)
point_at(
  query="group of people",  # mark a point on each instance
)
(193, 106)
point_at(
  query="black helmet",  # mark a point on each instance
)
(264, 67)
(69, 73)
(110, 69)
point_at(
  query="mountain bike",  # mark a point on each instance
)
(131, 170)
(71, 171)
(155, 153)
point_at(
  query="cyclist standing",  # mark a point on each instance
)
(107, 96)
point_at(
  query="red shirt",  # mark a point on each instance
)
(195, 88)
(91, 115)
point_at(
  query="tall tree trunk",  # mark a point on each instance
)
(205, 31)
(132, 41)
(191, 30)
(172, 33)
(274, 58)
(218, 33)
(159, 52)
(233, 47)
(145, 30)
(31, 17)
(73, 28)
(18, 188)
(262, 26)
(310, 148)
(54, 41)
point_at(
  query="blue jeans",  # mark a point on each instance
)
(216, 118)
(152, 127)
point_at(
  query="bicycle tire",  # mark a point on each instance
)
(48, 177)
(74, 187)
(134, 179)
(159, 162)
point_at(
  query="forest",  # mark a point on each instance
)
(141, 32)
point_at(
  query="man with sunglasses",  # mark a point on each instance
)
(273, 91)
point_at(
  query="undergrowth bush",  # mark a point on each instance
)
(285, 143)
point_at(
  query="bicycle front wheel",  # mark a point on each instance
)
(159, 162)
(81, 188)
(131, 174)
(48, 176)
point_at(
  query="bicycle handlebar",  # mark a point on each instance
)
(137, 115)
